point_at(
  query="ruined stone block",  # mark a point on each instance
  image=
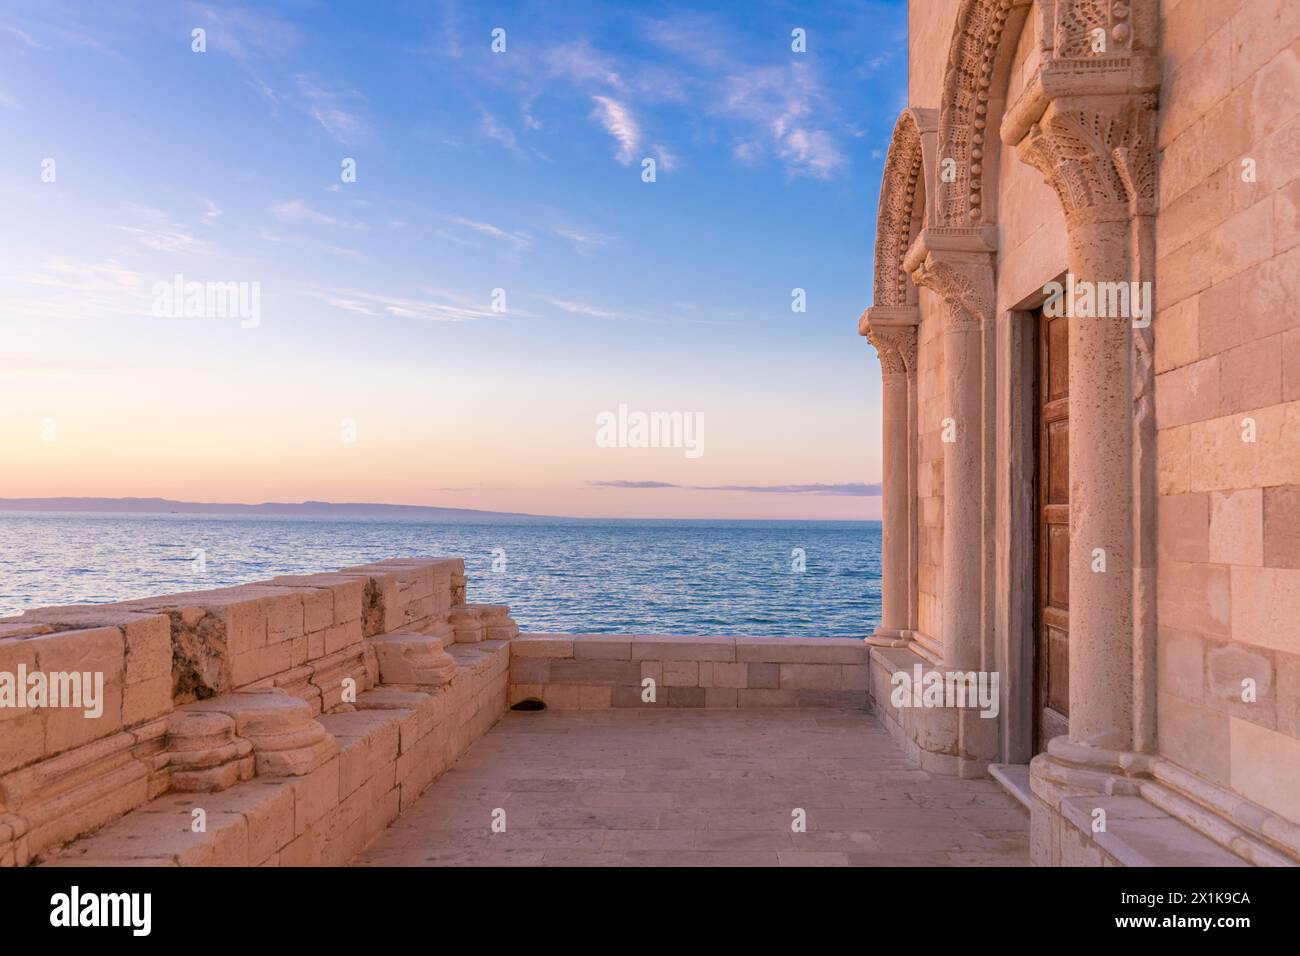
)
(203, 752)
(411, 658)
(286, 740)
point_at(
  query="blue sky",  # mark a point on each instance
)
(475, 171)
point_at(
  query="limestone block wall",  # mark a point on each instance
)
(929, 469)
(270, 706)
(1227, 357)
(597, 671)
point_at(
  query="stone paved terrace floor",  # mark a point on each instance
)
(700, 788)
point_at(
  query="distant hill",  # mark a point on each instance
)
(323, 509)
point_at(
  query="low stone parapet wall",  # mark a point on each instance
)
(302, 712)
(597, 671)
(289, 721)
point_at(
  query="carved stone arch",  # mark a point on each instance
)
(980, 56)
(904, 206)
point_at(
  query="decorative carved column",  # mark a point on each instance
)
(959, 269)
(896, 347)
(1097, 153)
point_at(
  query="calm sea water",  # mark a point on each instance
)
(581, 576)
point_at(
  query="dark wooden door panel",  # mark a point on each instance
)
(1052, 520)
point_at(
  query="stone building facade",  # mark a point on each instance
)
(1096, 494)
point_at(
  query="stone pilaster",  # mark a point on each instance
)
(896, 347)
(963, 278)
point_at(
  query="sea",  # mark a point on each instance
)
(585, 576)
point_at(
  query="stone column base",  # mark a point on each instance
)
(889, 637)
(1093, 807)
(948, 740)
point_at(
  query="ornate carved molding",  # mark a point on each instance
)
(896, 346)
(965, 282)
(1089, 46)
(907, 348)
(1100, 29)
(973, 58)
(1098, 154)
(900, 215)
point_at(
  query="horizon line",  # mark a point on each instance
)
(318, 508)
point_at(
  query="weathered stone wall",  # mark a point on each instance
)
(931, 411)
(929, 27)
(300, 714)
(1227, 355)
(594, 671)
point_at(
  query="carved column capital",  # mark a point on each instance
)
(896, 346)
(1098, 154)
(964, 280)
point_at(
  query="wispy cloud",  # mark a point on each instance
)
(584, 243)
(618, 121)
(211, 212)
(322, 105)
(516, 239)
(432, 306)
(26, 38)
(693, 37)
(582, 308)
(852, 489)
(781, 103)
(581, 64)
(62, 288)
(264, 89)
(680, 313)
(780, 111)
(295, 210)
(306, 242)
(451, 29)
(244, 34)
(155, 230)
(493, 129)
(666, 160)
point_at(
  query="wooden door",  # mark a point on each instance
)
(1052, 518)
